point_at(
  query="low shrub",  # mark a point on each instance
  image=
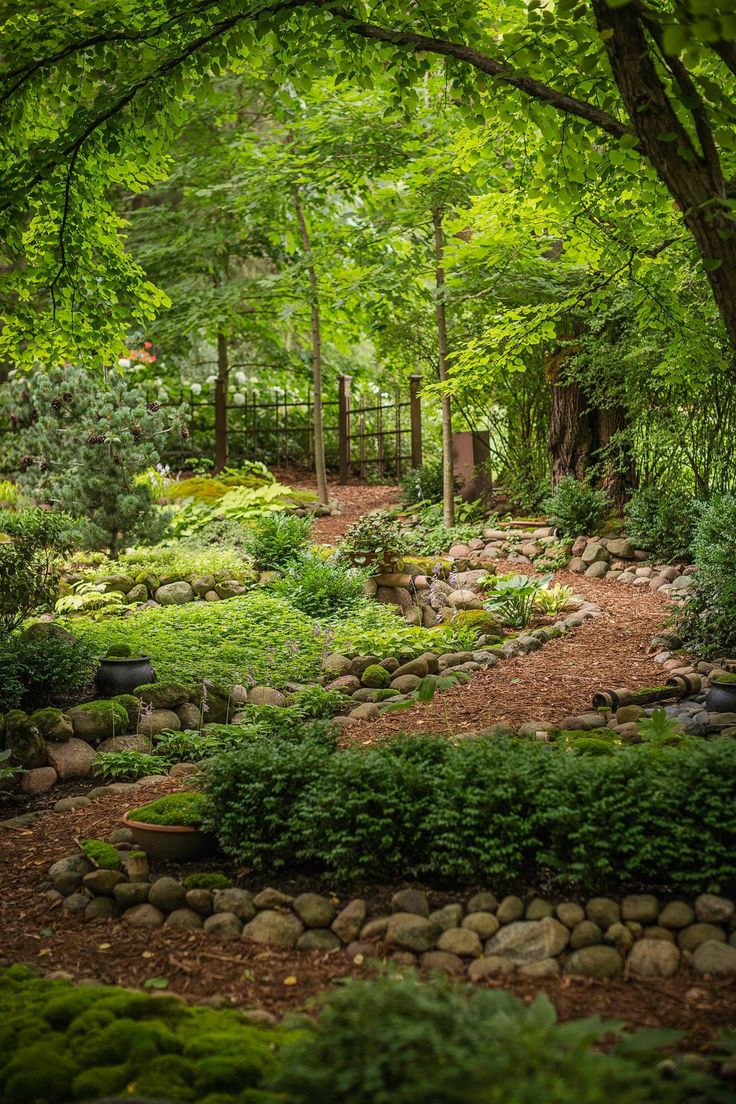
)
(374, 629)
(402, 1040)
(576, 508)
(707, 624)
(127, 765)
(663, 522)
(185, 809)
(395, 1040)
(42, 665)
(276, 539)
(255, 637)
(425, 484)
(316, 703)
(321, 588)
(30, 544)
(178, 560)
(502, 810)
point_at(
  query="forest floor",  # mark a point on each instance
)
(198, 965)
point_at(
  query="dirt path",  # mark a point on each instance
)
(355, 500)
(558, 680)
(199, 966)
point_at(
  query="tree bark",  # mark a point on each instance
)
(619, 476)
(448, 475)
(693, 178)
(223, 374)
(320, 467)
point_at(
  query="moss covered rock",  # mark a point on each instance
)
(25, 741)
(132, 707)
(99, 720)
(52, 724)
(376, 677)
(163, 695)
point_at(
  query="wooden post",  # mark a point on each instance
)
(415, 416)
(343, 426)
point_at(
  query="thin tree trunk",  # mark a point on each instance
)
(223, 373)
(320, 467)
(448, 475)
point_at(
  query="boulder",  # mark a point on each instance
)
(653, 958)
(538, 908)
(690, 938)
(489, 966)
(603, 911)
(460, 941)
(66, 874)
(188, 715)
(175, 594)
(129, 741)
(130, 894)
(101, 883)
(281, 929)
(272, 898)
(510, 909)
(200, 900)
(642, 907)
(229, 588)
(100, 908)
(163, 695)
(52, 724)
(715, 958)
(335, 665)
(38, 780)
(367, 711)
(25, 741)
(529, 940)
(138, 593)
(600, 962)
(412, 932)
(346, 684)
(450, 916)
(118, 584)
(444, 962)
(350, 920)
(710, 909)
(621, 548)
(484, 924)
(184, 918)
(585, 934)
(483, 902)
(238, 902)
(202, 584)
(570, 913)
(72, 758)
(98, 720)
(594, 552)
(314, 910)
(226, 925)
(597, 570)
(405, 684)
(418, 667)
(410, 900)
(132, 707)
(167, 894)
(318, 939)
(158, 720)
(144, 916)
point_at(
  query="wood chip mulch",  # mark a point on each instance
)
(558, 680)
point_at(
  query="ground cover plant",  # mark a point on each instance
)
(392, 1040)
(253, 638)
(496, 809)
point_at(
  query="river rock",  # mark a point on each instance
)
(410, 900)
(597, 961)
(715, 958)
(314, 910)
(510, 909)
(349, 921)
(226, 925)
(318, 939)
(529, 940)
(690, 938)
(484, 924)
(239, 902)
(167, 894)
(710, 909)
(280, 929)
(653, 958)
(144, 916)
(175, 594)
(72, 759)
(460, 941)
(412, 932)
(489, 966)
(676, 914)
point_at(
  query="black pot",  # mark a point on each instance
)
(117, 675)
(721, 697)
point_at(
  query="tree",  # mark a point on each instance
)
(648, 82)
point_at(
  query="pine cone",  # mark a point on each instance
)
(25, 462)
(44, 465)
(56, 404)
(67, 396)
(154, 407)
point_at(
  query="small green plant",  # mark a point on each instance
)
(31, 542)
(514, 598)
(552, 600)
(182, 809)
(91, 598)
(659, 728)
(189, 746)
(576, 508)
(316, 703)
(276, 539)
(126, 766)
(8, 773)
(207, 881)
(323, 588)
(375, 541)
(663, 522)
(102, 854)
(423, 485)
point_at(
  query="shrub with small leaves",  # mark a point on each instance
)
(276, 539)
(575, 507)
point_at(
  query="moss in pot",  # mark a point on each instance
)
(721, 696)
(120, 672)
(170, 827)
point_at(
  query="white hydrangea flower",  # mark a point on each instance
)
(196, 388)
(239, 399)
(124, 362)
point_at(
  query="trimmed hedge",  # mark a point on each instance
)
(392, 1041)
(505, 811)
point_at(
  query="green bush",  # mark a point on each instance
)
(373, 629)
(374, 541)
(30, 544)
(423, 484)
(400, 1040)
(42, 665)
(257, 637)
(506, 811)
(276, 539)
(663, 522)
(576, 508)
(177, 559)
(316, 703)
(186, 809)
(127, 765)
(322, 588)
(708, 622)
(396, 1040)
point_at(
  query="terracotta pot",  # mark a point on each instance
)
(176, 842)
(118, 675)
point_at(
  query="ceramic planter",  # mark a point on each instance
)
(175, 842)
(721, 697)
(118, 675)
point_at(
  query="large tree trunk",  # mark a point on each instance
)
(448, 475)
(320, 467)
(570, 429)
(619, 475)
(693, 177)
(223, 374)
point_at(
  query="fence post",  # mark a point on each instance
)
(415, 416)
(343, 426)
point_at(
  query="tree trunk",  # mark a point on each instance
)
(570, 430)
(448, 475)
(320, 467)
(223, 373)
(693, 178)
(619, 474)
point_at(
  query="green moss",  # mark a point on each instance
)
(207, 881)
(39, 1074)
(104, 854)
(131, 705)
(109, 716)
(185, 809)
(118, 651)
(384, 695)
(725, 680)
(592, 745)
(376, 677)
(482, 621)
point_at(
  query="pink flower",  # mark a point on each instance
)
(147, 344)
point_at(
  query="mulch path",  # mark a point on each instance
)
(356, 499)
(556, 681)
(199, 966)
